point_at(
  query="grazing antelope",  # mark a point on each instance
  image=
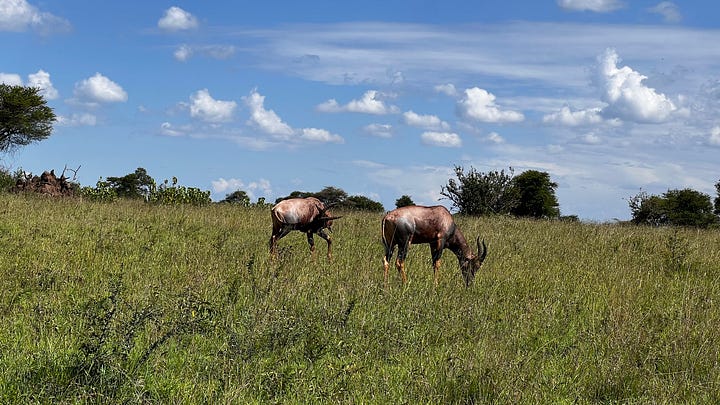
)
(308, 215)
(433, 225)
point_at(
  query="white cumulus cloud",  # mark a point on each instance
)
(177, 19)
(206, 108)
(261, 186)
(495, 138)
(11, 79)
(100, 89)
(574, 118)
(19, 15)
(425, 121)
(444, 139)
(41, 80)
(447, 89)
(627, 97)
(265, 120)
(370, 103)
(183, 53)
(270, 123)
(479, 104)
(320, 135)
(379, 130)
(598, 6)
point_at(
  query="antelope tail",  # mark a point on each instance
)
(382, 232)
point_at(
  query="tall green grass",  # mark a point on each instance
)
(129, 302)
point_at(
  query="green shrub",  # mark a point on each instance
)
(102, 192)
(7, 180)
(175, 195)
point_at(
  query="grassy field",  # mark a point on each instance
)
(133, 303)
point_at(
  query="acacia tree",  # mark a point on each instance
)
(688, 207)
(134, 185)
(404, 201)
(24, 116)
(362, 203)
(328, 195)
(647, 209)
(237, 197)
(477, 193)
(684, 207)
(331, 195)
(536, 195)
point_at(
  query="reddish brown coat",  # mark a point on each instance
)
(308, 215)
(432, 225)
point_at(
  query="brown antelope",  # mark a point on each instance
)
(308, 215)
(433, 225)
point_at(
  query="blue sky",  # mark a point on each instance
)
(378, 98)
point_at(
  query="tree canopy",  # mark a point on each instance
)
(360, 202)
(337, 197)
(134, 185)
(529, 194)
(685, 207)
(477, 193)
(24, 116)
(404, 201)
(237, 197)
(536, 195)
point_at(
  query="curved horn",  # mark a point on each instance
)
(482, 254)
(325, 207)
(328, 218)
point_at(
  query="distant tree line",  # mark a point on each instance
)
(338, 198)
(678, 207)
(140, 186)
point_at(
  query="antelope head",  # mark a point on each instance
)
(324, 217)
(470, 266)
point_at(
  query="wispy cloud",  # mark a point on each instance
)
(668, 10)
(552, 56)
(598, 6)
(184, 52)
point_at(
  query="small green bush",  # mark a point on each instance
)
(102, 192)
(175, 195)
(7, 180)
